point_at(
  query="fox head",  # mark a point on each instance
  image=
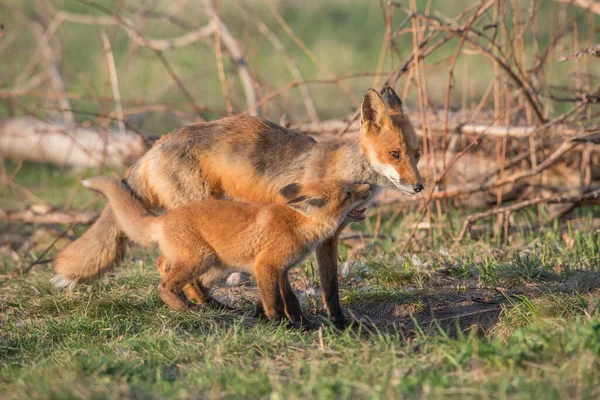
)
(328, 200)
(389, 141)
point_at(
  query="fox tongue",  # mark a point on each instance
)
(358, 211)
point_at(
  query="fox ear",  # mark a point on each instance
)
(305, 205)
(391, 100)
(372, 109)
(291, 191)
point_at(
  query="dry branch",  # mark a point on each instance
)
(591, 5)
(520, 205)
(589, 51)
(464, 32)
(47, 215)
(593, 137)
(159, 45)
(565, 147)
(237, 58)
(186, 39)
(220, 66)
(293, 68)
(53, 70)
(112, 69)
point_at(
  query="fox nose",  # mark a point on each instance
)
(418, 187)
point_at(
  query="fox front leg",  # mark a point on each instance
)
(291, 303)
(270, 304)
(327, 255)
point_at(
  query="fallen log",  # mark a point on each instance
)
(334, 126)
(32, 139)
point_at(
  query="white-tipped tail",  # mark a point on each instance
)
(130, 214)
(62, 282)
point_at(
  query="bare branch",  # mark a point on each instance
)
(47, 215)
(220, 67)
(293, 68)
(237, 58)
(591, 5)
(186, 39)
(589, 51)
(53, 70)
(112, 70)
(520, 205)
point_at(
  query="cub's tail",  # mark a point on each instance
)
(130, 214)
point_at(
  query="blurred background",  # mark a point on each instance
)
(280, 42)
(484, 285)
(504, 94)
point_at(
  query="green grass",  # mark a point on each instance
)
(476, 320)
(116, 339)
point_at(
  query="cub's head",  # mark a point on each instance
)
(389, 141)
(328, 200)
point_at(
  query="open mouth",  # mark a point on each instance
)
(358, 214)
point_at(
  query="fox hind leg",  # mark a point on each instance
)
(204, 283)
(198, 289)
(170, 181)
(191, 290)
(172, 298)
(179, 274)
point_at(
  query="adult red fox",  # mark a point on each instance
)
(203, 238)
(250, 159)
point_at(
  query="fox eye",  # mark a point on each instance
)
(348, 195)
(418, 154)
(395, 154)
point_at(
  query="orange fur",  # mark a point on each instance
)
(248, 158)
(203, 238)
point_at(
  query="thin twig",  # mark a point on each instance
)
(112, 71)
(40, 258)
(236, 54)
(520, 205)
(307, 99)
(307, 50)
(53, 71)
(219, 55)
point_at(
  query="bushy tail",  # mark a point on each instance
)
(96, 252)
(129, 212)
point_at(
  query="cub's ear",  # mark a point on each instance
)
(391, 100)
(373, 110)
(305, 205)
(291, 191)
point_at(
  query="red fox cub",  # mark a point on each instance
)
(207, 237)
(250, 159)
